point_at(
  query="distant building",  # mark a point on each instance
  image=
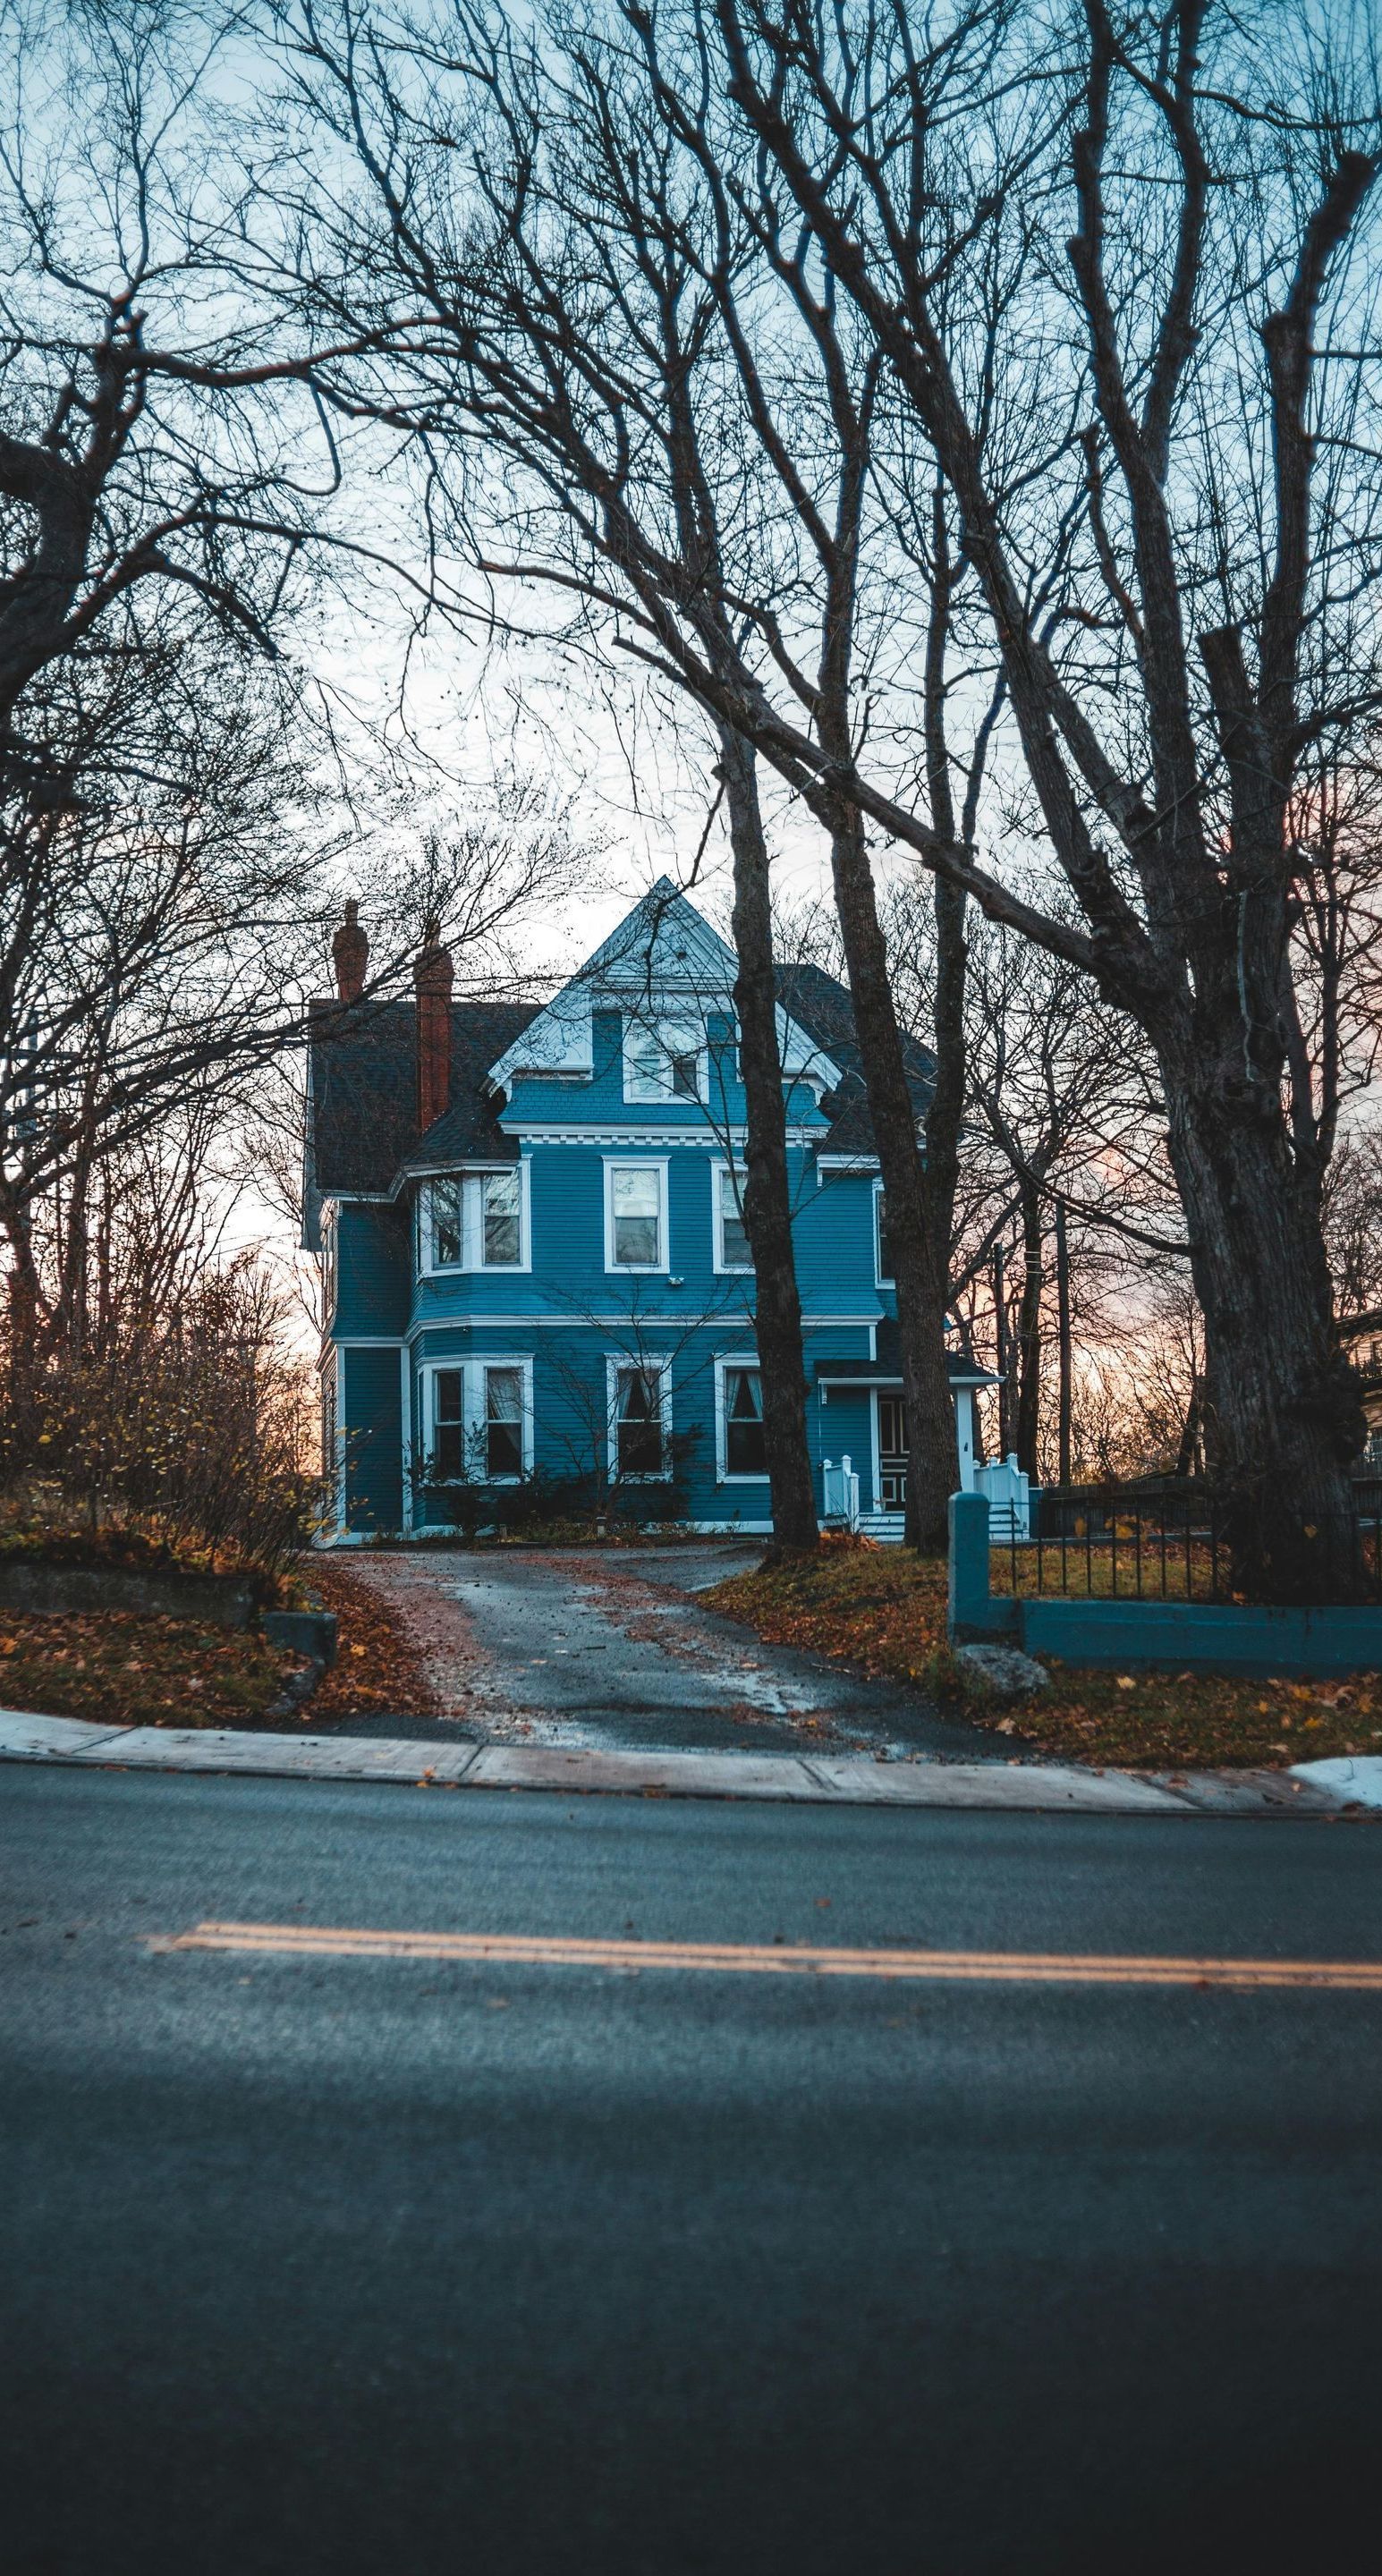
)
(531, 1229)
(1361, 1336)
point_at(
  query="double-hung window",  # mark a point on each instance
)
(663, 1061)
(731, 1234)
(636, 1216)
(742, 1449)
(503, 1424)
(448, 1426)
(476, 1221)
(640, 1423)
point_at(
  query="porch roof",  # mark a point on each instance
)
(960, 1370)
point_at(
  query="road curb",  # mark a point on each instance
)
(1330, 1788)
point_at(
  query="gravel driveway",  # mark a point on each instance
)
(565, 1646)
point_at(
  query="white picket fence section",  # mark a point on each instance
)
(1009, 1499)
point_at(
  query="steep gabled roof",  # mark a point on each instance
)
(362, 1062)
(824, 1009)
(660, 953)
(362, 1096)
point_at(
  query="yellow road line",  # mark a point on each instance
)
(740, 1958)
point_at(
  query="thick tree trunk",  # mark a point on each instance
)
(920, 1275)
(1283, 1419)
(767, 1192)
(1189, 1448)
(1029, 1338)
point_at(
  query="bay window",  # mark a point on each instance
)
(479, 1422)
(476, 1221)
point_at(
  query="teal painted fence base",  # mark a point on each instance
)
(1184, 1636)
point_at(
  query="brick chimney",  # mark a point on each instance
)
(350, 954)
(432, 980)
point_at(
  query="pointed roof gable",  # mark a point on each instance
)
(662, 955)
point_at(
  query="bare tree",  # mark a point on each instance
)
(1179, 450)
(574, 349)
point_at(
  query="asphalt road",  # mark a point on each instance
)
(318, 2263)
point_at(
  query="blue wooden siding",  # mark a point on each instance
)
(569, 1315)
(372, 1417)
(374, 1271)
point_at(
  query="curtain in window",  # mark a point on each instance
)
(745, 1453)
(504, 1422)
(638, 1422)
(637, 1213)
(734, 1241)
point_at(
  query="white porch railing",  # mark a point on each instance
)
(1009, 1494)
(841, 1494)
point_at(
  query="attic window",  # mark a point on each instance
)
(663, 1061)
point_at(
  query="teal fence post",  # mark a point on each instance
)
(973, 1611)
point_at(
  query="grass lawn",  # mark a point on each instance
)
(137, 1671)
(884, 1610)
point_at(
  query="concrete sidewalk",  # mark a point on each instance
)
(1309, 1789)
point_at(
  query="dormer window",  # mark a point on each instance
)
(663, 1061)
(476, 1221)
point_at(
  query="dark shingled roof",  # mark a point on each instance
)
(363, 1086)
(362, 1118)
(961, 1366)
(825, 1010)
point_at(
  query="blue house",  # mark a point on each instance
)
(534, 1260)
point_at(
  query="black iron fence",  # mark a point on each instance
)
(1164, 1539)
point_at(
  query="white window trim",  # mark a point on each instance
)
(665, 1098)
(427, 1268)
(336, 1472)
(330, 1263)
(638, 1163)
(727, 1361)
(879, 1279)
(471, 1367)
(725, 1269)
(662, 1371)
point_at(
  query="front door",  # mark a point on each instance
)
(894, 1449)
